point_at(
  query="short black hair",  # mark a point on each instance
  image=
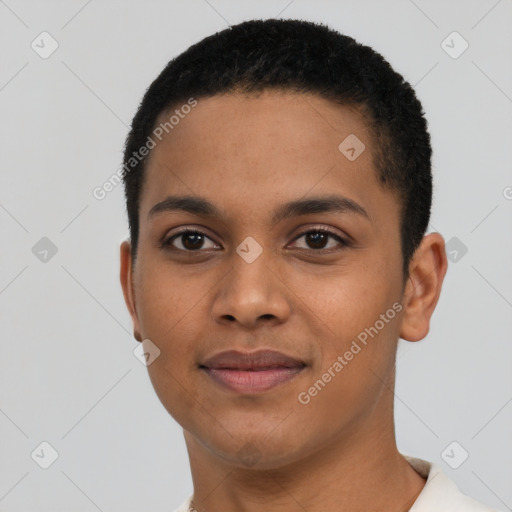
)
(303, 57)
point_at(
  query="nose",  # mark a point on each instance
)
(251, 294)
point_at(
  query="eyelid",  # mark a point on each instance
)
(324, 228)
(343, 240)
(201, 230)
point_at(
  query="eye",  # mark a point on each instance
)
(317, 240)
(189, 241)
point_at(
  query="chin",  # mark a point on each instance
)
(258, 457)
(261, 449)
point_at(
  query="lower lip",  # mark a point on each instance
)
(252, 381)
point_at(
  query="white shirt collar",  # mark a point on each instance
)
(440, 493)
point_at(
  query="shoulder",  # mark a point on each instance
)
(184, 507)
(440, 493)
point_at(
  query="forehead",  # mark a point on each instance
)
(274, 146)
(282, 120)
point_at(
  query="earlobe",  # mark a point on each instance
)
(126, 279)
(426, 274)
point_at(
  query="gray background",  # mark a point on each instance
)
(68, 373)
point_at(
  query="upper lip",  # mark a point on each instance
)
(260, 359)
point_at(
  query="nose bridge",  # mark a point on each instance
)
(251, 290)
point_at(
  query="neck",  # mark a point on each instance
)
(363, 471)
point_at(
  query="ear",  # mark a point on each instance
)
(426, 274)
(127, 285)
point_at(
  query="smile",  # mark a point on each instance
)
(252, 381)
(253, 372)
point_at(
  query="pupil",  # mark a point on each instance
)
(193, 241)
(316, 239)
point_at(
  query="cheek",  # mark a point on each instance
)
(167, 302)
(169, 311)
(169, 308)
(347, 301)
(359, 313)
(354, 372)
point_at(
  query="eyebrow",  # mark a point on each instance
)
(204, 208)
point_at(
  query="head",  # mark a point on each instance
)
(306, 58)
(246, 139)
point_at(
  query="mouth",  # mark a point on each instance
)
(251, 372)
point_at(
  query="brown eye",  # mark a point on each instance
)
(316, 239)
(189, 241)
(192, 241)
(319, 239)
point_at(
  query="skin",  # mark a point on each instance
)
(248, 155)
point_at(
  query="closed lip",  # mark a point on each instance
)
(257, 360)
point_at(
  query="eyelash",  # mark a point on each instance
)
(167, 242)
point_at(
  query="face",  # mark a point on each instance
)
(285, 244)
